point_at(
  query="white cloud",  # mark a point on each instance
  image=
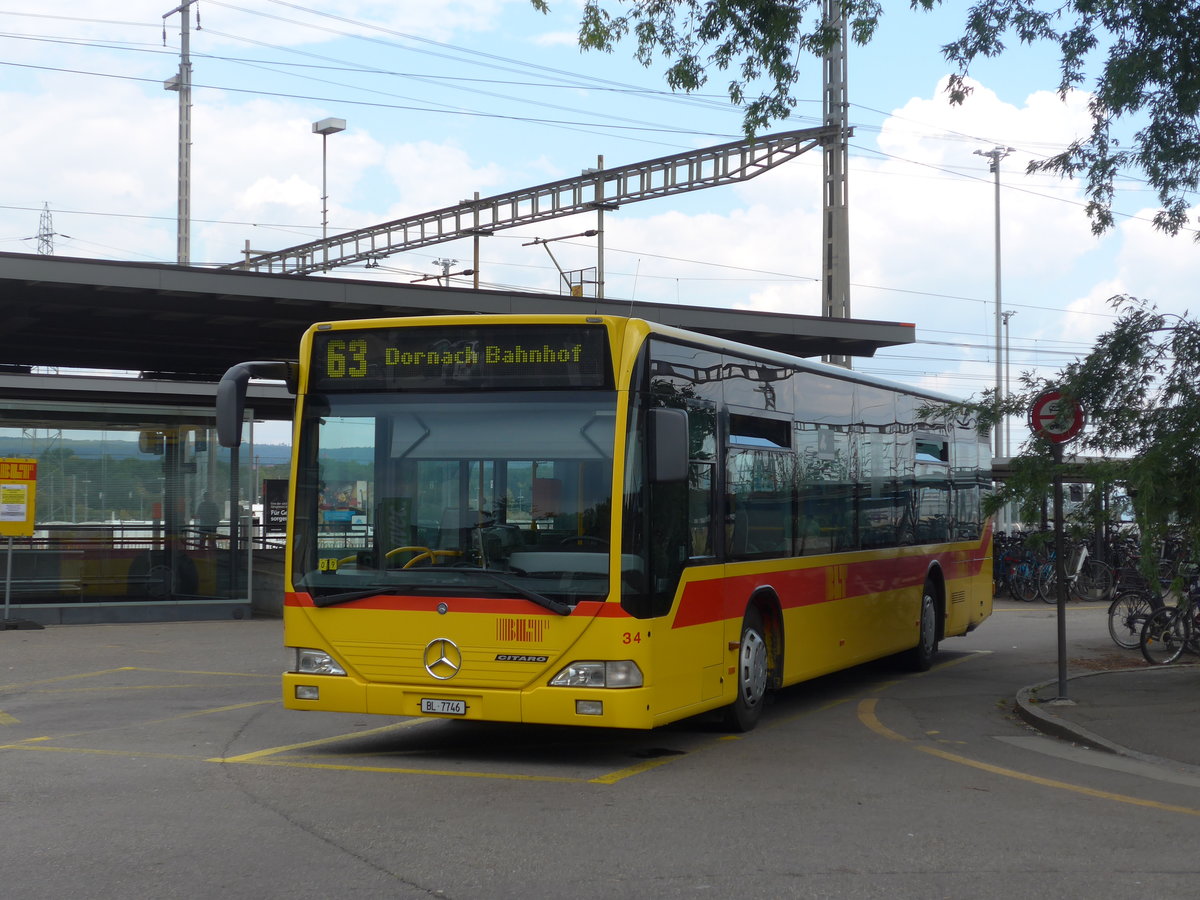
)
(921, 201)
(557, 39)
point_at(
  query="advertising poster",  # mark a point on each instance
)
(18, 495)
(275, 504)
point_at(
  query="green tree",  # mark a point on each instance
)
(1147, 51)
(1140, 391)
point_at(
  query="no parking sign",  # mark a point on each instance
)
(1052, 418)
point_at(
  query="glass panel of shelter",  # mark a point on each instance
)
(131, 505)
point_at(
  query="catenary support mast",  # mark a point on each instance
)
(835, 256)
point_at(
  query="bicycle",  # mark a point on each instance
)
(1127, 614)
(1014, 568)
(1022, 580)
(1088, 578)
(1170, 630)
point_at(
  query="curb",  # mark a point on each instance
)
(1040, 715)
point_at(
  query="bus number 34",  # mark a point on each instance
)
(631, 637)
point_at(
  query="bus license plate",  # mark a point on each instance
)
(444, 707)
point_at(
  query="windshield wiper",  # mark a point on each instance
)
(347, 596)
(555, 606)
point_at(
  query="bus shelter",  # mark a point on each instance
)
(138, 514)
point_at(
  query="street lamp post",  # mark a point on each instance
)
(995, 155)
(1007, 314)
(326, 127)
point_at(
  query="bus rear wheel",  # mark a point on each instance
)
(752, 675)
(920, 657)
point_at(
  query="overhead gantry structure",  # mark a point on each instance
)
(599, 189)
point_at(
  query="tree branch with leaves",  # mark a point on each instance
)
(1147, 54)
(1140, 389)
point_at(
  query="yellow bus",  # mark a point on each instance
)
(596, 520)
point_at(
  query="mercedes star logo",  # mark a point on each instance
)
(443, 659)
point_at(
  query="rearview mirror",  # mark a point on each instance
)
(668, 436)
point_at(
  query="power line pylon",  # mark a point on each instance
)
(45, 235)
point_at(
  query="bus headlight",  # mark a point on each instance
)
(316, 662)
(613, 673)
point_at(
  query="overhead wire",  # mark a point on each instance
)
(787, 276)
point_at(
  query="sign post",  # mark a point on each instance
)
(18, 496)
(1052, 418)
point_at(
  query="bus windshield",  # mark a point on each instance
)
(492, 494)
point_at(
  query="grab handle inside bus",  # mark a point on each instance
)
(231, 394)
(668, 429)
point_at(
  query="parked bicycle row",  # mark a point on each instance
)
(1025, 569)
(1154, 603)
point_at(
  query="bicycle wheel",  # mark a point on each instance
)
(1023, 584)
(1126, 615)
(1047, 583)
(1164, 635)
(1193, 642)
(1094, 581)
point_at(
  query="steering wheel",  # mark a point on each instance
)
(583, 539)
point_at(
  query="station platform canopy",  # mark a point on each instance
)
(109, 374)
(195, 323)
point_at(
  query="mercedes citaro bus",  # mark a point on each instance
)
(596, 520)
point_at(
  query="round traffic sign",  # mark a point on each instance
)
(1048, 419)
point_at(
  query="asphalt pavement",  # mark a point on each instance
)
(1148, 713)
(1151, 714)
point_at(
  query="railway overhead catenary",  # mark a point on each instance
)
(606, 189)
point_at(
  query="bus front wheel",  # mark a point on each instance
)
(752, 671)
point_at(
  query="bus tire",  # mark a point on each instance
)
(921, 657)
(753, 669)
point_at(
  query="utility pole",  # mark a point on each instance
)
(995, 155)
(1007, 314)
(183, 84)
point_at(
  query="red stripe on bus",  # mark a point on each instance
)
(718, 599)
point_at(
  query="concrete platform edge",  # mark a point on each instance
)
(1039, 714)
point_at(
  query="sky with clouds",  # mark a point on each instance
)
(447, 97)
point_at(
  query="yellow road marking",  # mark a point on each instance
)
(125, 688)
(128, 754)
(630, 771)
(272, 677)
(393, 770)
(6, 719)
(61, 678)
(261, 757)
(970, 655)
(258, 755)
(134, 687)
(213, 710)
(190, 715)
(866, 715)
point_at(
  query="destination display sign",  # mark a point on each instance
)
(456, 357)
